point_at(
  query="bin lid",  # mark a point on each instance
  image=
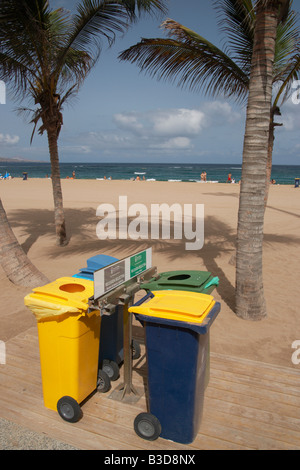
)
(185, 306)
(186, 280)
(66, 294)
(93, 264)
(99, 261)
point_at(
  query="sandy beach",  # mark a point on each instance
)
(29, 206)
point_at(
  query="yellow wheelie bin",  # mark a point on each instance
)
(69, 344)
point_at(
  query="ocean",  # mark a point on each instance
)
(282, 174)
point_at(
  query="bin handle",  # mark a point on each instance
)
(146, 297)
(90, 312)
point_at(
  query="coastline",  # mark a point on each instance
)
(172, 172)
(150, 180)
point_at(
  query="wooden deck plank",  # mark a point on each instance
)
(285, 375)
(260, 385)
(248, 405)
(255, 397)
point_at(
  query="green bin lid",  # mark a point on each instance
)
(197, 281)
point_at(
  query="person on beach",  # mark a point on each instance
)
(229, 178)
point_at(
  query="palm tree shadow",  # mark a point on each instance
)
(220, 238)
(34, 224)
(81, 226)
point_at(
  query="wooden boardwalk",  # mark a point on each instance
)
(248, 405)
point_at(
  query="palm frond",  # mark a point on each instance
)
(237, 21)
(22, 26)
(100, 19)
(190, 61)
(287, 42)
(291, 73)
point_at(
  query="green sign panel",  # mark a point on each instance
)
(138, 264)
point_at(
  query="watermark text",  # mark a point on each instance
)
(296, 93)
(2, 92)
(296, 354)
(163, 221)
(2, 353)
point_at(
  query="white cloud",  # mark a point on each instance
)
(179, 122)
(7, 139)
(218, 113)
(174, 143)
(85, 149)
(290, 116)
(161, 130)
(128, 121)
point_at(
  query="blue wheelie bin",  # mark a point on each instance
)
(111, 334)
(190, 280)
(177, 327)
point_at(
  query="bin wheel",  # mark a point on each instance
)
(112, 369)
(68, 409)
(136, 349)
(147, 426)
(103, 383)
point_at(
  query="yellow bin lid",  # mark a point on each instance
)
(66, 294)
(70, 291)
(186, 306)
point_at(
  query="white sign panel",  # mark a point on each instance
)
(115, 274)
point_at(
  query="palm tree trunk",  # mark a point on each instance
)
(250, 301)
(269, 160)
(59, 217)
(13, 259)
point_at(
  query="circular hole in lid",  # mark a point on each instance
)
(179, 277)
(72, 288)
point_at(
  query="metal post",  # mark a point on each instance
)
(126, 392)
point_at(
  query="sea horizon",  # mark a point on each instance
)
(172, 172)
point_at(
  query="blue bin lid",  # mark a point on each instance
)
(93, 264)
(98, 262)
(84, 276)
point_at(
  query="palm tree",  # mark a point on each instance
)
(13, 259)
(264, 48)
(46, 55)
(250, 301)
(191, 61)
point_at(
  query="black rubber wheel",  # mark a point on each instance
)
(68, 409)
(136, 349)
(103, 383)
(147, 426)
(112, 369)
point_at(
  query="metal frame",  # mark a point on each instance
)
(107, 303)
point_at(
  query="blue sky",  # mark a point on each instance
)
(121, 115)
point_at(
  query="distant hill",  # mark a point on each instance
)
(17, 159)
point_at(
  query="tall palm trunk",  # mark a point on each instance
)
(13, 259)
(250, 302)
(274, 112)
(59, 217)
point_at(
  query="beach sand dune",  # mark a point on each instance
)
(29, 206)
